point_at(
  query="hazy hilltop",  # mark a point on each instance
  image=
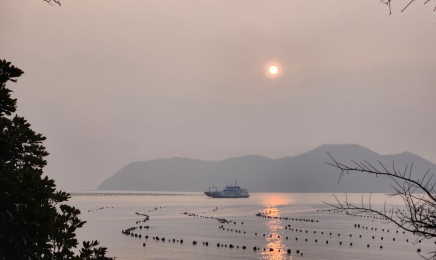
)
(306, 172)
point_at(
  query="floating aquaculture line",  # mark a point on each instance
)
(131, 194)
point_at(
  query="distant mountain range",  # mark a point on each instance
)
(306, 172)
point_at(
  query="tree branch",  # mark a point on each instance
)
(420, 215)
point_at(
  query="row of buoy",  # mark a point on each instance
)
(360, 236)
(363, 227)
(221, 220)
(285, 218)
(100, 208)
(154, 209)
(195, 242)
(231, 230)
(355, 225)
(255, 248)
(288, 226)
(306, 231)
(207, 244)
(225, 221)
(266, 213)
(357, 215)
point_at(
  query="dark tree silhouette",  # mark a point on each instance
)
(33, 222)
(419, 213)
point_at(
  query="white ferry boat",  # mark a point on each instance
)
(229, 192)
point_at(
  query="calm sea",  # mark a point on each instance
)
(109, 213)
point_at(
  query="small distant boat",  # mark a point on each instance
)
(229, 192)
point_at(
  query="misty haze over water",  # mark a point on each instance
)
(146, 104)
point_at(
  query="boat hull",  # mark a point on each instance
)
(218, 195)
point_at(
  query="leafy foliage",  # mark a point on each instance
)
(33, 222)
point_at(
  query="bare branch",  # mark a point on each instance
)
(419, 214)
(58, 2)
(411, 1)
(389, 2)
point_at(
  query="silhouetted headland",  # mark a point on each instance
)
(306, 172)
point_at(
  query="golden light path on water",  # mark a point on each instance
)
(275, 227)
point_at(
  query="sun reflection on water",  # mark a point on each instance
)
(276, 200)
(274, 226)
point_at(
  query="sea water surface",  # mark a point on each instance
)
(311, 229)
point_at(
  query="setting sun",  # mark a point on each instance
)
(273, 70)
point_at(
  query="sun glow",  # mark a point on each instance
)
(276, 249)
(273, 70)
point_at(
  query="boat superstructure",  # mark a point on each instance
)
(231, 191)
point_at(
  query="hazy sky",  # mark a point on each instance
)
(108, 81)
